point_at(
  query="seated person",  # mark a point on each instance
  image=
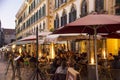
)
(115, 63)
(55, 64)
(62, 69)
(43, 60)
(61, 72)
(110, 57)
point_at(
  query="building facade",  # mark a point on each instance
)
(50, 15)
(66, 11)
(9, 36)
(32, 14)
(1, 36)
(113, 6)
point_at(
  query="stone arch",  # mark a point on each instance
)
(56, 16)
(72, 13)
(64, 12)
(56, 21)
(64, 18)
(73, 6)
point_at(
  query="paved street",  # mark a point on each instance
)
(3, 65)
(24, 72)
(2, 70)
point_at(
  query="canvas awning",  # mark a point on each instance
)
(64, 37)
(33, 37)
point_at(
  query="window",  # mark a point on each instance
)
(40, 28)
(64, 19)
(23, 25)
(117, 10)
(84, 8)
(37, 15)
(34, 29)
(43, 26)
(20, 20)
(31, 20)
(34, 4)
(40, 13)
(44, 8)
(34, 18)
(56, 22)
(59, 3)
(72, 14)
(99, 5)
(29, 9)
(56, 3)
(63, 1)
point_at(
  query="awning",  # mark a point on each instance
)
(33, 37)
(64, 37)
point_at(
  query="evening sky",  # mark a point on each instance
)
(8, 11)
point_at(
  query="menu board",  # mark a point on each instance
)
(72, 74)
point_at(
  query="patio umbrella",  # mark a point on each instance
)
(103, 23)
(44, 33)
(64, 37)
(92, 24)
(112, 35)
(59, 38)
(33, 37)
(29, 38)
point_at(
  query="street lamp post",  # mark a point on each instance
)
(37, 73)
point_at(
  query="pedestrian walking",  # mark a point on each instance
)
(10, 62)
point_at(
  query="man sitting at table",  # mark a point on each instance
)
(61, 72)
